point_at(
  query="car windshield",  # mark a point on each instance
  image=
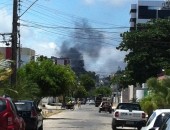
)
(151, 118)
(166, 125)
(23, 106)
(2, 105)
(160, 119)
(105, 104)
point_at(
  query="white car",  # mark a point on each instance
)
(156, 119)
(128, 115)
(90, 102)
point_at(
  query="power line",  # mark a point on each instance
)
(49, 26)
(66, 35)
(82, 37)
(28, 8)
(66, 27)
(71, 15)
(57, 13)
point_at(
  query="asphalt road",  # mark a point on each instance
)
(85, 118)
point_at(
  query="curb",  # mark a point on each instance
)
(49, 112)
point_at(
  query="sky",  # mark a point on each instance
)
(47, 24)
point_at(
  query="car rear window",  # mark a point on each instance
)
(105, 104)
(129, 106)
(23, 106)
(2, 105)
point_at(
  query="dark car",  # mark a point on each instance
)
(9, 118)
(98, 100)
(31, 114)
(105, 106)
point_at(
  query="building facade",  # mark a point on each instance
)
(61, 61)
(146, 10)
(26, 55)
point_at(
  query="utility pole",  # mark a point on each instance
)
(19, 36)
(14, 42)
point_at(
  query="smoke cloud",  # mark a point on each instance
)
(86, 50)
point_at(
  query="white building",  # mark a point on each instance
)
(146, 10)
(26, 54)
(61, 61)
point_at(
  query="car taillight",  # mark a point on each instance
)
(33, 114)
(143, 115)
(9, 119)
(116, 114)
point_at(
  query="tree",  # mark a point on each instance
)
(159, 95)
(80, 92)
(41, 74)
(51, 79)
(5, 68)
(122, 79)
(148, 49)
(66, 80)
(105, 91)
(87, 81)
(160, 90)
(23, 90)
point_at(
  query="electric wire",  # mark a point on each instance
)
(60, 33)
(41, 26)
(79, 18)
(72, 16)
(28, 8)
(47, 28)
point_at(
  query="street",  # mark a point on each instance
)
(85, 118)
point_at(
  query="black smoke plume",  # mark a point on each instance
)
(85, 41)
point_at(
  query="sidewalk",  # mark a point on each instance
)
(49, 110)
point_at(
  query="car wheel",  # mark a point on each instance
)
(41, 127)
(114, 127)
(139, 128)
(114, 124)
(36, 128)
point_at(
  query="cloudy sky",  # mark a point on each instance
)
(48, 23)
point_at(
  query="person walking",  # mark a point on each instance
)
(79, 103)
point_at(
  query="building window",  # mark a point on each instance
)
(145, 13)
(133, 20)
(133, 11)
(163, 14)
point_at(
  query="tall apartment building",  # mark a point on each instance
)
(146, 10)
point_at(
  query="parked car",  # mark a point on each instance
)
(31, 114)
(105, 106)
(128, 115)
(91, 102)
(156, 119)
(9, 118)
(98, 100)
